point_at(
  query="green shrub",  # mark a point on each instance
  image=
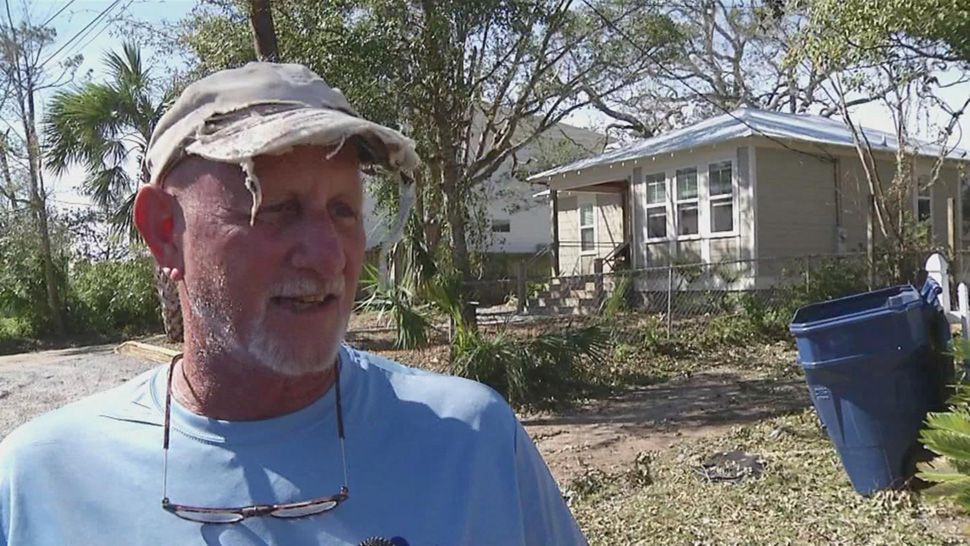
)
(548, 369)
(620, 299)
(23, 292)
(947, 434)
(730, 330)
(113, 297)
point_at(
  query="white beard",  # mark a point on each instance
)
(211, 307)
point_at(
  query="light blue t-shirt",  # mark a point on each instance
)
(432, 460)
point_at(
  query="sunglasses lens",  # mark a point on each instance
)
(209, 517)
(308, 510)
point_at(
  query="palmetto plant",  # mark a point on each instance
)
(410, 317)
(530, 371)
(105, 128)
(947, 434)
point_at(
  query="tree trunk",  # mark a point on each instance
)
(168, 296)
(264, 32)
(7, 189)
(38, 202)
(455, 213)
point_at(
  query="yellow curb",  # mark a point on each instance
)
(145, 351)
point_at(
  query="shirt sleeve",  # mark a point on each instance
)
(5, 494)
(545, 516)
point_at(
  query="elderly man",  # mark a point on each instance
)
(268, 430)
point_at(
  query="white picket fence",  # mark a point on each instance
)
(938, 269)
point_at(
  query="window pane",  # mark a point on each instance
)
(722, 216)
(925, 190)
(686, 183)
(586, 215)
(501, 226)
(687, 220)
(656, 223)
(586, 239)
(656, 189)
(923, 211)
(720, 178)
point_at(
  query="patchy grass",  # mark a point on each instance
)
(804, 497)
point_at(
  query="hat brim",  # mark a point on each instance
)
(278, 132)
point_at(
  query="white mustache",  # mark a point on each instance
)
(308, 288)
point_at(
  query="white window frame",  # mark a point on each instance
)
(663, 205)
(590, 201)
(919, 196)
(696, 201)
(722, 198)
(963, 182)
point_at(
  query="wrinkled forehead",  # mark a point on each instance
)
(305, 169)
(198, 176)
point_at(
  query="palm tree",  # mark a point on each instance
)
(105, 127)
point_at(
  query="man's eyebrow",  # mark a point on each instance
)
(285, 201)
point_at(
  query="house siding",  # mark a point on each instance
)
(568, 234)
(948, 186)
(795, 204)
(608, 212)
(855, 200)
(854, 189)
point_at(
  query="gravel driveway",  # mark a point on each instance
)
(35, 383)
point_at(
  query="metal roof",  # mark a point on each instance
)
(746, 122)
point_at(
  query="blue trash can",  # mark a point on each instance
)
(875, 366)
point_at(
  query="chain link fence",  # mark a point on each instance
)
(679, 291)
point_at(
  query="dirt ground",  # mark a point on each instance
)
(35, 383)
(604, 434)
(609, 434)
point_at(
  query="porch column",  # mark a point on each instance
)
(554, 198)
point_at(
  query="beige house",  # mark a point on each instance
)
(750, 186)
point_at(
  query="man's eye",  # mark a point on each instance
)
(282, 210)
(342, 210)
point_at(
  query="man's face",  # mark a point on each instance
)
(278, 293)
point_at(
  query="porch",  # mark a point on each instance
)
(592, 227)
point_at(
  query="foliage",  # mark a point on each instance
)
(474, 83)
(904, 55)
(732, 330)
(804, 496)
(112, 297)
(23, 291)
(101, 296)
(843, 29)
(620, 298)
(410, 318)
(23, 58)
(765, 314)
(536, 371)
(101, 125)
(947, 434)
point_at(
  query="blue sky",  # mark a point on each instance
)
(102, 37)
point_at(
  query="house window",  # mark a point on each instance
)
(721, 188)
(501, 226)
(924, 201)
(587, 222)
(688, 219)
(656, 206)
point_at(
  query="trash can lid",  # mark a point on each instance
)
(855, 307)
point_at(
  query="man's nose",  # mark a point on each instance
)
(319, 245)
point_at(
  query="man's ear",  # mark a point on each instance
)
(156, 214)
